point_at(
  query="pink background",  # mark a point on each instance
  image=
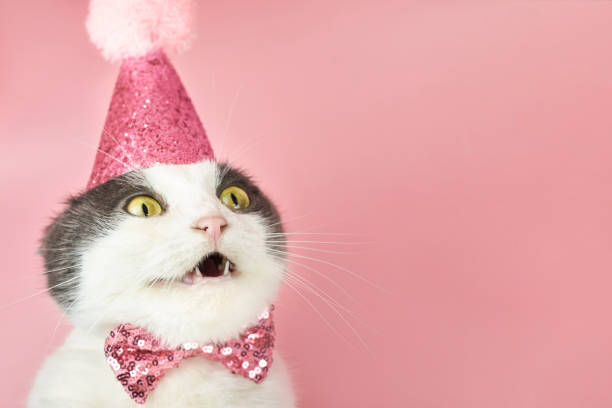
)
(466, 145)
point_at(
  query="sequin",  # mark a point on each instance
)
(140, 369)
(150, 120)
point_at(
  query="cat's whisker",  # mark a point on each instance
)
(317, 242)
(318, 290)
(284, 221)
(38, 293)
(229, 156)
(116, 159)
(96, 322)
(61, 318)
(226, 169)
(319, 273)
(317, 311)
(282, 234)
(332, 304)
(48, 271)
(127, 155)
(228, 122)
(249, 144)
(310, 249)
(355, 275)
(127, 166)
(156, 281)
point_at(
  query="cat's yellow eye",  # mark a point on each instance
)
(144, 206)
(235, 198)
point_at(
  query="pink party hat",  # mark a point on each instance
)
(151, 119)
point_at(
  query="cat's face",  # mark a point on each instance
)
(199, 270)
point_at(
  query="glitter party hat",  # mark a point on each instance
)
(151, 118)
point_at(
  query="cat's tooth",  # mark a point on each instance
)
(220, 266)
(227, 265)
(197, 271)
(188, 279)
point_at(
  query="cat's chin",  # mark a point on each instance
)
(214, 309)
(200, 312)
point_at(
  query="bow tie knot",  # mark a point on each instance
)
(139, 359)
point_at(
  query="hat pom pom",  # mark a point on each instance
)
(132, 28)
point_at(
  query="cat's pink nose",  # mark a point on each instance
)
(212, 225)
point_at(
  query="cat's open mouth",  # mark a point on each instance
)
(213, 265)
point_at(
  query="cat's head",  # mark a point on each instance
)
(191, 252)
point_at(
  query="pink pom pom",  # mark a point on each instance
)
(132, 28)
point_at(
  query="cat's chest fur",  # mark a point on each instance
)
(77, 375)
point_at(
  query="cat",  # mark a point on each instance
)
(191, 252)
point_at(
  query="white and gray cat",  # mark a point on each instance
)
(166, 248)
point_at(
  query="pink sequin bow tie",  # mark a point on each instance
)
(139, 360)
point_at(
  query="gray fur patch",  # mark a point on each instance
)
(88, 216)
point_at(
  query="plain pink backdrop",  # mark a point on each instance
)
(465, 145)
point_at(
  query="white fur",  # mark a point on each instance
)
(114, 288)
